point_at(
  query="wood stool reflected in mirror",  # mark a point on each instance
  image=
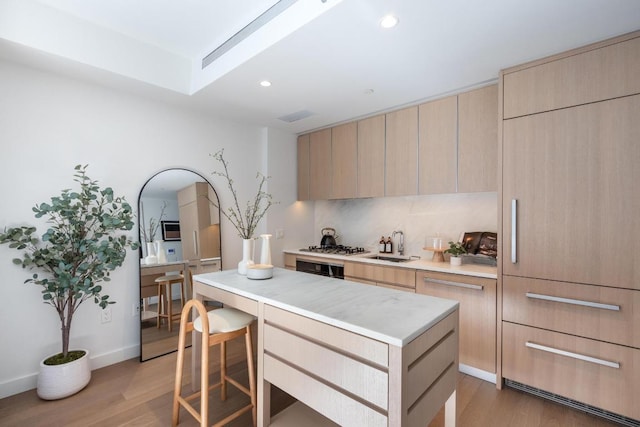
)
(223, 324)
(165, 297)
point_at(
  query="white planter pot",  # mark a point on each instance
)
(456, 260)
(60, 381)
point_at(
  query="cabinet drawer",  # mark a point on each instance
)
(594, 75)
(603, 375)
(598, 312)
(367, 382)
(405, 277)
(477, 297)
(367, 349)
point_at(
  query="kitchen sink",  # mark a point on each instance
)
(388, 258)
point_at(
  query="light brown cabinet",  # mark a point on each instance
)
(303, 167)
(593, 372)
(370, 168)
(320, 165)
(344, 161)
(478, 140)
(477, 298)
(200, 236)
(569, 282)
(403, 279)
(570, 182)
(437, 148)
(443, 146)
(401, 164)
(595, 73)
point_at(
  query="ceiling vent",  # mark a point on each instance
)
(251, 28)
(294, 117)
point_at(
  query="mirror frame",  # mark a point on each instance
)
(140, 252)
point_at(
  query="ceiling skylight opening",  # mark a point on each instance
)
(389, 21)
(265, 83)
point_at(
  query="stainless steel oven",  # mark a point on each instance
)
(327, 269)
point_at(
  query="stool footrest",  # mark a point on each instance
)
(234, 416)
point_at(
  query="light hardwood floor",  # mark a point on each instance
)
(140, 394)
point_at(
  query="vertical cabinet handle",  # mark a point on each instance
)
(514, 231)
(195, 242)
(578, 356)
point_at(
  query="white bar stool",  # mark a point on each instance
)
(165, 297)
(223, 324)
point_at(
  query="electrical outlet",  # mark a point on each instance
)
(135, 310)
(106, 315)
(279, 233)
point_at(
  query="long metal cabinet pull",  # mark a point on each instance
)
(456, 284)
(573, 355)
(195, 242)
(574, 301)
(514, 230)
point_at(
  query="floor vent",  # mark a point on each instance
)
(573, 404)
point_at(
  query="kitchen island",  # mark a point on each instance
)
(358, 355)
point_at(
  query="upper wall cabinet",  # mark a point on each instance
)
(444, 146)
(303, 167)
(371, 157)
(569, 81)
(478, 140)
(320, 165)
(401, 165)
(344, 161)
(438, 124)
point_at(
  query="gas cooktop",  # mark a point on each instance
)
(336, 250)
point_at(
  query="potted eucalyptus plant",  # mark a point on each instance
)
(455, 250)
(78, 251)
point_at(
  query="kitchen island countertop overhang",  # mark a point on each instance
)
(386, 315)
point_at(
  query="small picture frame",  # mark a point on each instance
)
(170, 230)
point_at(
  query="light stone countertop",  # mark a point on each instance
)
(477, 270)
(390, 316)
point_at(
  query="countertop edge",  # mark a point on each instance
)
(475, 270)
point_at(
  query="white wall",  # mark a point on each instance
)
(48, 125)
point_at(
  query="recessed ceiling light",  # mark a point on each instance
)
(265, 83)
(389, 21)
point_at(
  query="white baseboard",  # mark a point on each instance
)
(478, 373)
(30, 381)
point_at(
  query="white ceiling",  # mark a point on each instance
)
(329, 57)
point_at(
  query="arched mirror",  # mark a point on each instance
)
(180, 237)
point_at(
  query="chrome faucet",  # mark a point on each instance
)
(400, 243)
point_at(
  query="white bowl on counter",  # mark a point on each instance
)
(260, 271)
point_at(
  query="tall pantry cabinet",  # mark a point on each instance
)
(570, 218)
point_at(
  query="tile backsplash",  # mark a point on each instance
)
(361, 222)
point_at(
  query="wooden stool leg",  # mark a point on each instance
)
(159, 305)
(182, 294)
(169, 305)
(252, 375)
(223, 371)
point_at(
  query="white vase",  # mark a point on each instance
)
(456, 260)
(160, 252)
(60, 381)
(265, 254)
(247, 256)
(151, 257)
